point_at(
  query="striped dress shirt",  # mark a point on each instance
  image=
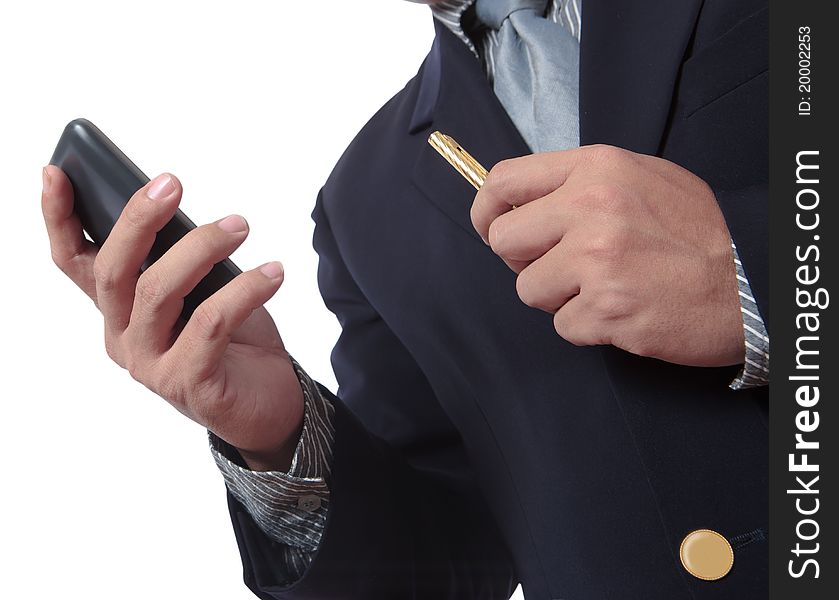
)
(291, 507)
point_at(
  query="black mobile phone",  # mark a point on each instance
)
(104, 179)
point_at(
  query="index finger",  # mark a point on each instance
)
(71, 252)
(517, 181)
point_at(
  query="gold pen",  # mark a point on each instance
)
(463, 162)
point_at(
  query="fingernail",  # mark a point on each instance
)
(47, 180)
(233, 224)
(272, 270)
(161, 187)
(492, 236)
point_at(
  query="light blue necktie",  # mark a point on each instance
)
(534, 63)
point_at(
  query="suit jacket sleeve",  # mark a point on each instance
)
(405, 519)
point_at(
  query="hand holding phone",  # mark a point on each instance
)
(103, 180)
(225, 365)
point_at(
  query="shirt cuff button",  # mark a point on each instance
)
(308, 503)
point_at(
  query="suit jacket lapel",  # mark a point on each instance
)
(630, 56)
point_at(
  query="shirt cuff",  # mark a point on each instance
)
(290, 508)
(755, 371)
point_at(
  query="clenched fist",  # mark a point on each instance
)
(623, 248)
(226, 368)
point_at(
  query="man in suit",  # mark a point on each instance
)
(540, 395)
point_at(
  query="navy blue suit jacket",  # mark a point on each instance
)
(474, 447)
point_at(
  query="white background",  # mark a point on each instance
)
(108, 492)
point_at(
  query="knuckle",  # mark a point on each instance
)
(69, 265)
(103, 273)
(151, 290)
(501, 175)
(638, 345)
(561, 326)
(605, 154)
(134, 368)
(573, 333)
(525, 288)
(142, 368)
(607, 247)
(112, 349)
(59, 261)
(609, 305)
(209, 320)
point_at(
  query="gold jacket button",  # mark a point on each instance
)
(706, 554)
